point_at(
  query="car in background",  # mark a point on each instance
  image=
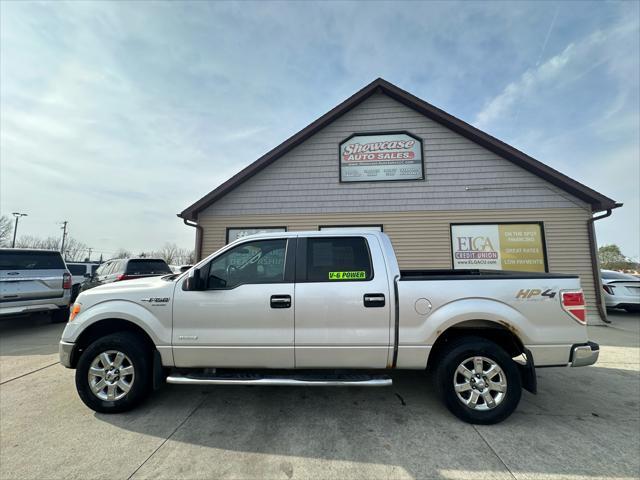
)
(621, 290)
(81, 272)
(120, 269)
(34, 281)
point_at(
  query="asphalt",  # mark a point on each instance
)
(584, 423)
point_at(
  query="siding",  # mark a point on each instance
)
(459, 174)
(422, 238)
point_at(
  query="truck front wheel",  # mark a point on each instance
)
(114, 373)
(478, 381)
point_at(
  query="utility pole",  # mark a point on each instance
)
(15, 228)
(89, 256)
(64, 237)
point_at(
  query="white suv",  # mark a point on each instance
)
(81, 272)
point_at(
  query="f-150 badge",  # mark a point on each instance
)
(155, 299)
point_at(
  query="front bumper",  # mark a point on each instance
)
(584, 354)
(65, 350)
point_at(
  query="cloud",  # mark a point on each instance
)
(117, 115)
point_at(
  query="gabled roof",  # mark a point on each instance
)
(597, 201)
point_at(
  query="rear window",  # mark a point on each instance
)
(77, 269)
(31, 261)
(338, 259)
(146, 267)
(618, 276)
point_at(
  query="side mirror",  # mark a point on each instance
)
(192, 283)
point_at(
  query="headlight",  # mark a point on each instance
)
(75, 310)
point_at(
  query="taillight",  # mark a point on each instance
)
(122, 276)
(573, 304)
(66, 280)
(608, 289)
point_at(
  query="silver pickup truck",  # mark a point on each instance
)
(326, 309)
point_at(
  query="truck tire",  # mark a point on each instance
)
(60, 316)
(478, 381)
(114, 373)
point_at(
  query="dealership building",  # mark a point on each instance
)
(447, 194)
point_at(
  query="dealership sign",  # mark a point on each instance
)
(506, 246)
(381, 157)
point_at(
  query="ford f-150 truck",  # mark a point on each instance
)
(326, 309)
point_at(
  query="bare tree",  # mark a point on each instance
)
(168, 253)
(6, 229)
(122, 253)
(186, 256)
(29, 241)
(74, 250)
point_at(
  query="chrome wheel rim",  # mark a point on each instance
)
(480, 383)
(111, 375)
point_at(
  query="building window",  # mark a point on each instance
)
(499, 246)
(234, 233)
(337, 228)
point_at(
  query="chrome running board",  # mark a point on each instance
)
(285, 381)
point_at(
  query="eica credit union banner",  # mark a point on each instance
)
(498, 247)
(381, 157)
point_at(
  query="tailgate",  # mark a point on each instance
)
(22, 285)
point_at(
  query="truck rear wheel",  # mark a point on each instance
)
(114, 373)
(478, 381)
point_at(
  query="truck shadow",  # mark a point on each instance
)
(401, 431)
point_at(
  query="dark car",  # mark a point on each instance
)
(121, 269)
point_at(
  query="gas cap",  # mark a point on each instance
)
(422, 306)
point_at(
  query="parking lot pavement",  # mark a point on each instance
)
(584, 423)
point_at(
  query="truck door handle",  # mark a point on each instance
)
(374, 300)
(280, 301)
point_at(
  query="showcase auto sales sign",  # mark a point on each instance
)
(380, 157)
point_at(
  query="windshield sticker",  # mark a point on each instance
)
(347, 275)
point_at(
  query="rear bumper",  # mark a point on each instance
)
(584, 354)
(36, 307)
(621, 301)
(65, 350)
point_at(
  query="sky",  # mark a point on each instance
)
(116, 116)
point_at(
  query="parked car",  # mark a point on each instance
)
(621, 290)
(120, 269)
(81, 272)
(34, 281)
(357, 316)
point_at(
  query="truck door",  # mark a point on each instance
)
(242, 315)
(342, 306)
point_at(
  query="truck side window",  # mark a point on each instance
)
(250, 263)
(338, 259)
